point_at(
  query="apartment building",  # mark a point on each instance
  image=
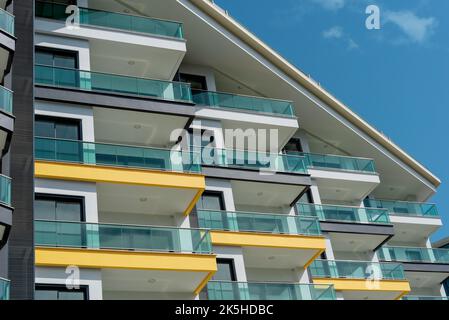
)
(130, 186)
(7, 49)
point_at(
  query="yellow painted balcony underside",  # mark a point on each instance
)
(268, 240)
(117, 175)
(400, 286)
(131, 260)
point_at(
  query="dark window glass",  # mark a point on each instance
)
(196, 82)
(294, 145)
(211, 201)
(58, 208)
(56, 58)
(58, 128)
(225, 270)
(59, 292)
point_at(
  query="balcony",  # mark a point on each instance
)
(251, 104)
(112, 20)
(405, 208)
(5, 190)
(4, 289)
(249, 160)
(258, 179)
(7, 42)
(6, 100)
(222, 290)
(177, 260)
(104, 154)
(156, 46)
(112, 84)
(426, 268)
(414, 255)
(339, 163)
(258, 223)
(124, 172)
(362, 280)
(6, 22)
(344, 213)
(342, 178)
(6, 118)
(430, 298)
(5, 209)
(289, 241)
(414, 222)
(353, 229)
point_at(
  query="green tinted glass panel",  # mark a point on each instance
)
(336, 162)
(4, 289)
(115, 155)
(356, 270)
(111, 20)
(404, 208)
(6, 22)
(5, 190)
(6, 100)
(342, 213)
(224, 290)
(410, 254)
(246, 103)
(253, 222)
(96, 81)
(269, 162)
(110, 236)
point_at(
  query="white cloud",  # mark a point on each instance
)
(352, 44)
(416, 29)
(337, 33)
(331, 4)
(333, 33)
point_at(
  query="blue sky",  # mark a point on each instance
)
(396, 78)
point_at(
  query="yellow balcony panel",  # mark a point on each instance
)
(272, 250)
(186, 187)
(197, 268)
(368, 289)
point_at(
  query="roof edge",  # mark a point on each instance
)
(250, 39)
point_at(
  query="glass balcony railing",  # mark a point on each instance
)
(4, 289)
(344, 213)
(6, 22)
(112, 83)
(5, 190)
(91, 153)
(5, 100)
(121, 237)
(252, 160)
(257, 222)
(247, 103)
(337, 162)
(405, 208)
(223, 290)
(414, 255)
(356, 270)
(424, 298)
(111, 20)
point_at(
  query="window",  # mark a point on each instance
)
(211, 201)
(59, 208)
(196, 82)
(56, 58)
(57, 67)
(59, 128)
(294, 145)
(60, 292)
(225, 270)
